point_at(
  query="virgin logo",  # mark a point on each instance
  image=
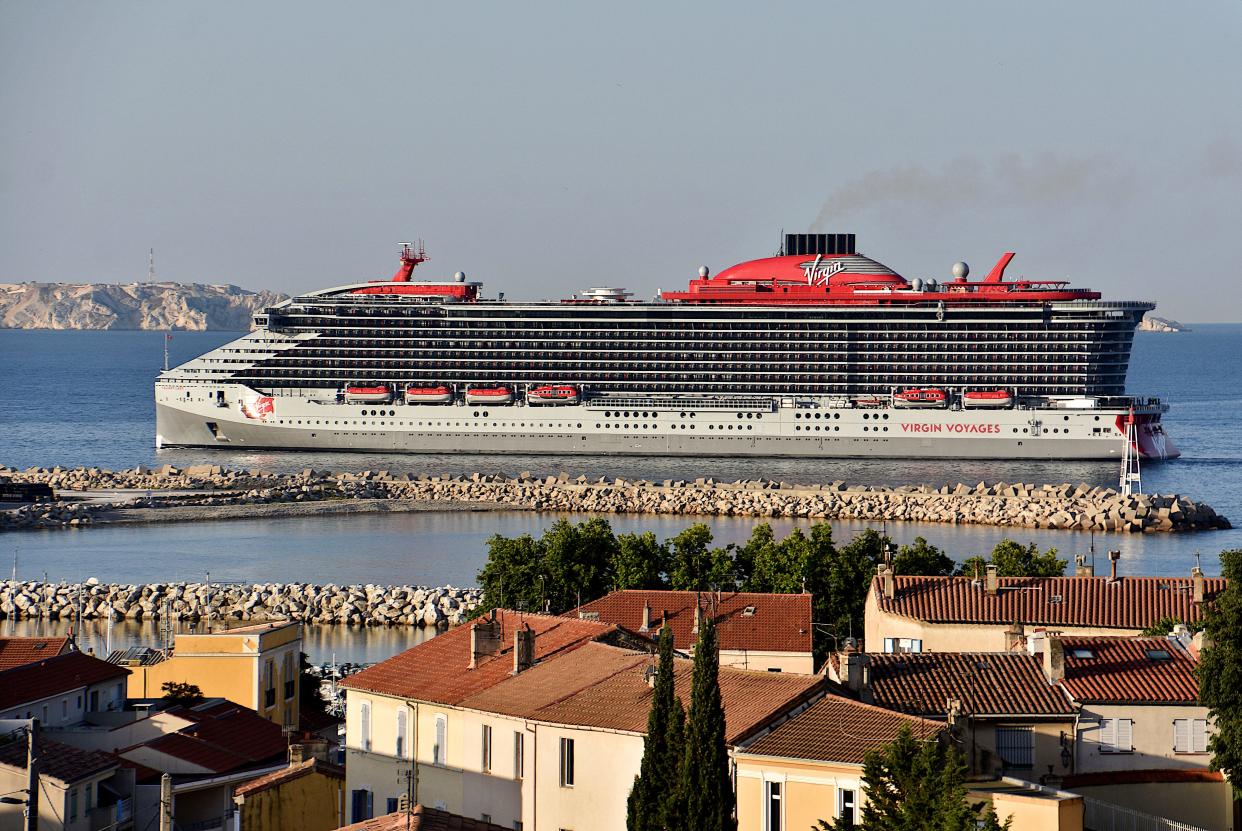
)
(818, 272)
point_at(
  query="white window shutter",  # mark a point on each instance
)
(1125, 735)
(916, 645)
(888, 646)
(1199, 736)
(1108, 735)
(1181, 735)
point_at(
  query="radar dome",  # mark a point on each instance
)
(704, 271)
(960, 270)
(916, 284)
(460, 277)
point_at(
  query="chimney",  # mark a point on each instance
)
(698, 616)
(485, 638)
(953, 714)
(887, 581)
(1197, 584)
(1015, 637)
(523, 649)
(1054, 659)
(295, 755)
(1113, 557)
(855, 669)
(646, 627)
(991, 583)
(1082, 568)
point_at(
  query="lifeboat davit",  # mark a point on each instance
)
(489, 395)
(920, 398)
(368, 394)
(438, 394)
(987, 399)
(557, 394)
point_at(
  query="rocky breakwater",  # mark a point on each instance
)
(367, 605)
(1081, 507)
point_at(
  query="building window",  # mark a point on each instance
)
(1190, 735)
(486, 756)
(1016, 746)
(393, 804)
(772, 806)
(290, 678)
(439, 752)
(400, 745)
(519, 754)
(847, 806)
(362, 806)
(364, 725)
(892, 645)
(1116, 735)
(73, 805)
(88, 802)
(269, 685)
(567, 763)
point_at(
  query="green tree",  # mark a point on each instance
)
(182, 692)
(513, 577)
(311, 701)
(847, 579)
(1165, 624)
(915, 785)
(695, 566)
(1220, 672)
(577, 560)
(651, 799)
(922, 559)
(639, 562)
(705, 779)
(1015, 560)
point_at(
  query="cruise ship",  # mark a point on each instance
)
(817, 351)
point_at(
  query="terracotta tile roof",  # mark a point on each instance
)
(438, 670)
(17, 651)
(1141, 777)
(225, 739)
(779, 622)
(622, 699)
(1127, 603)
(1121, 671)
(836, 729)
(59, 761)
(53, 676)
(987, 684)
(422, 818)
(289, 774)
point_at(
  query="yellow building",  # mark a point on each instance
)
(308, 795)
(256, 666)
(810, 767)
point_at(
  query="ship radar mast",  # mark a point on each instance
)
(412, 253)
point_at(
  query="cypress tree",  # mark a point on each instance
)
(645, 807)
(705, 782)
(674, 802)
(1220, 672)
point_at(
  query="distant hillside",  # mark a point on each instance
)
(187, 307)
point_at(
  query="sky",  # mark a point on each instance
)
(543, 148)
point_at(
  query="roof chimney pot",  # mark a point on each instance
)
(1197, 584)
(887, 581)
(991, 582)
(1082, 568)
(523, 649)
(646, 627)
(1113, 557)
(1054, 659)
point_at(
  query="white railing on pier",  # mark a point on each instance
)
(1105, 816)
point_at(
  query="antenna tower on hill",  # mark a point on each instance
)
(151, 267)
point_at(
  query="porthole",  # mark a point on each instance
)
(797, 426)
(596, 425)
(817, 415)
(644, 415)
(885, 428)
(836, 415)
(1065, 417)
(692, 415)
(1015, 429)
(866, 416)
(758, 415)
(608, 414)
(475, 414)
(836, 427)
(885, 416)
(739, 415)
(1097, 418)
(580, 426)
(1024, 430)
(683, 415)
(750, 427)
(816, 428)
(797, 415)
(711, 427)
(865, 428)
(485, 413)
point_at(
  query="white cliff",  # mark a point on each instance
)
(191, 307)
(1150, 323)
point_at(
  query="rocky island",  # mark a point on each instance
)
(192, 307)
(1150, 323)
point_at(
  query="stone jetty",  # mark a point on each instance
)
(368, 605)
(1079, 507)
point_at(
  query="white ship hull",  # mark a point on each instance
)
(237, 417)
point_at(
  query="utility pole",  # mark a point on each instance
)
(32, 777)
(166, 813)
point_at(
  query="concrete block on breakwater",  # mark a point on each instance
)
(1065, 506)
(368, 605)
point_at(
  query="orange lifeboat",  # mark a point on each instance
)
(437, 394)
(920, 398)
(493, 396)
(552, 394)
(370, 393)
(987, 399)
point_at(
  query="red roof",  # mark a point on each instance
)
(438, 670)
(745, 620)
(1129, 671)
(422, 818)
(59, 761)
(836, 729)
(987, 684)
(17, 651)
(54, 676)
(226, 737)
(1126, 603)
(296, 771)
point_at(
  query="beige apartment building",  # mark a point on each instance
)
(1002, 614)
(257, 666)
(766, 632)
(527, 721)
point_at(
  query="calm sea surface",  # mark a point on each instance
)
(85, 398)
